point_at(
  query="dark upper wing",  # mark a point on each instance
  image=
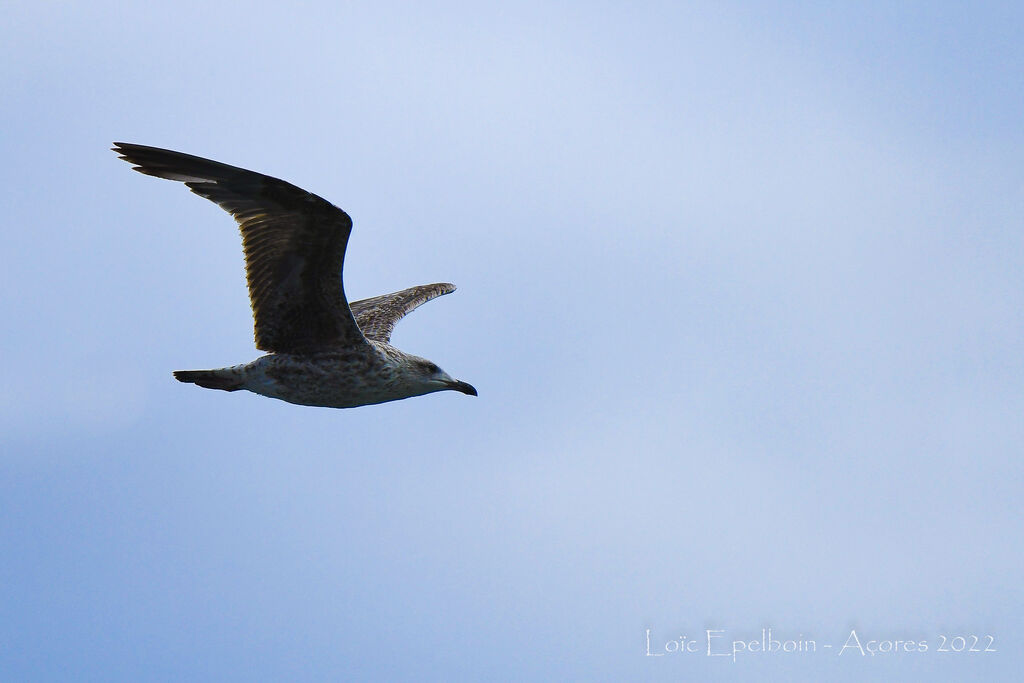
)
(377, 316)
(294, 247)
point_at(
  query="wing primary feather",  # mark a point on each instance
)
(294, 244)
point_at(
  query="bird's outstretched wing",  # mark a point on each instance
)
(378, 316)
(294, 245)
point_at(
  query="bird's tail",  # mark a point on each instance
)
(225, 379)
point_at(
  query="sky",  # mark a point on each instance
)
(740, 287)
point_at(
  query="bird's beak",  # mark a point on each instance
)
(463, 387)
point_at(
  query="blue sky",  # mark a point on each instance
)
(740, 285)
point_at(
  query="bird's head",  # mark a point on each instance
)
(432, 378)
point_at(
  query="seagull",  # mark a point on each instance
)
(321, 349)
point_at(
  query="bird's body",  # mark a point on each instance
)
(332, 378)
(323, 350)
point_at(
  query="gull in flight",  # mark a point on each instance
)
(321, 349)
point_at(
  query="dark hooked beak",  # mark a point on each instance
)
(463, 387)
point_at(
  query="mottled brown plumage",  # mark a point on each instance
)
(378, 316)
(323, 351)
